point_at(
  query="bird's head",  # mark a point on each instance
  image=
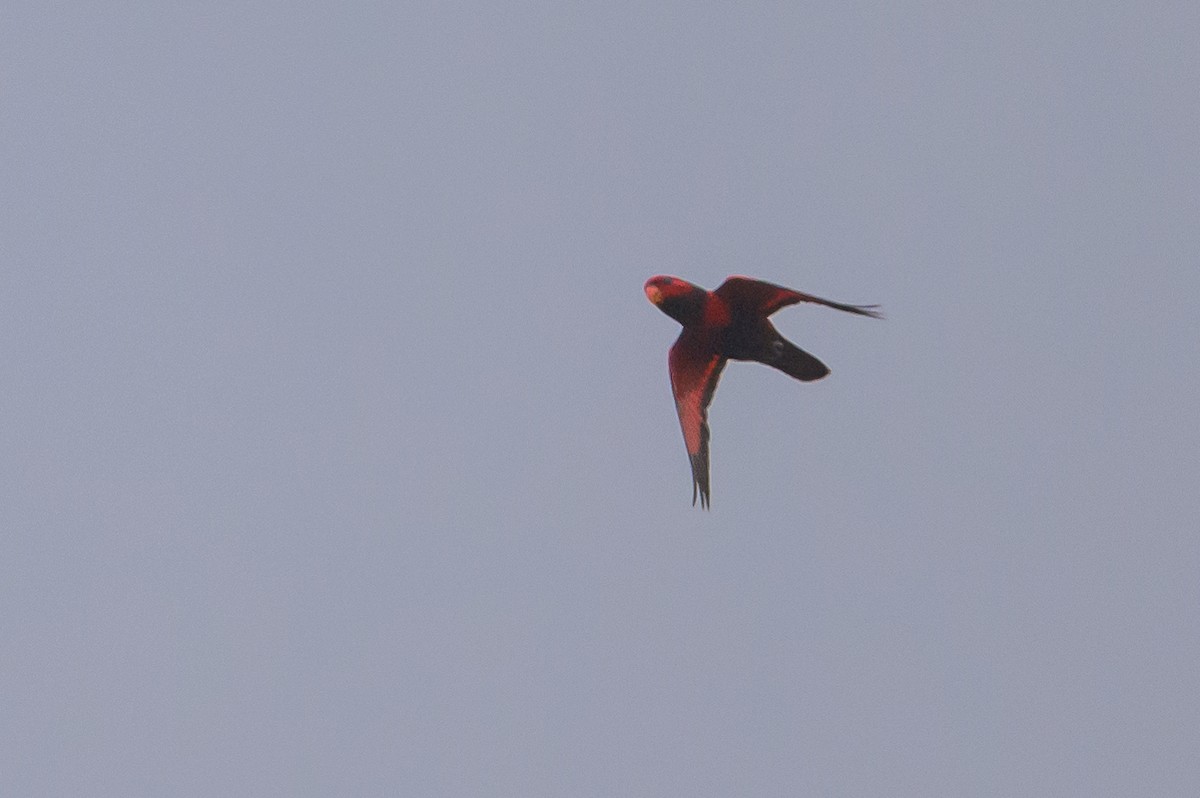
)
(679, 299)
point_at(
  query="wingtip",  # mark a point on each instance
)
(862, 310)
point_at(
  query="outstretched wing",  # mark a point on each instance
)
(756, 297)
(695, 369)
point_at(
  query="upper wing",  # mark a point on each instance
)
(695, 369)
(755, 296)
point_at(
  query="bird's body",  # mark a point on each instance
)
(730, 323)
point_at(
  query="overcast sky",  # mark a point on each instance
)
(338, 453)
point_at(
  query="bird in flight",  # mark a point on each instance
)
(729, 323)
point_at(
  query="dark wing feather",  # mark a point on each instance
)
(745, 295)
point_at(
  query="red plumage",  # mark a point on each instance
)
(730, 323)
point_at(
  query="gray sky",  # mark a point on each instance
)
(338, 450)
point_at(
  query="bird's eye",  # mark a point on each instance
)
(776, 349)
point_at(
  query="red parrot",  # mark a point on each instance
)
(729, 323)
